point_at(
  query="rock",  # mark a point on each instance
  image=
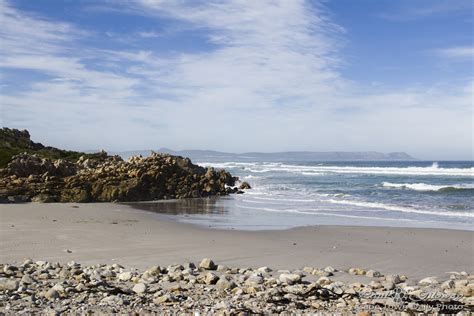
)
(388, 285)
(26, 279)
(330, 269)
(449, 284)
(139, 288)
(163, 299)
(324, 281)
(395, 278)
(43, 198)
(376, 285)
(51, 294)
(125, 276)
(207, 264)
(357, 271)
(222, 268)
(8, 284)
(225, 284)
(210, 278)
(245, 186)
(321, 273)
(373, 274)
(308, 269)
(290, 278)
(428, 281)
(46, 174)
(112, 300)
(58, 288)
(264, 269)
(254, 279)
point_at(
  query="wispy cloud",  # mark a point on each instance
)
(407, 10)
(462, 52)
(271, 80)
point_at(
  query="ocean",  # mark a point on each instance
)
(291, 194)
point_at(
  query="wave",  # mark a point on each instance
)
(316, 212)
(429, 187)
(397, 208)
(433, 170)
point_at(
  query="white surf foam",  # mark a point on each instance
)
(397, 208)
(317, 212)
(434, 169)
(427, 187)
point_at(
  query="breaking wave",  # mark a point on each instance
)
(317, 170)
(397, 208)
(429, 187)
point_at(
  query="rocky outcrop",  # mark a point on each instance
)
(103, 178)
(29, 177)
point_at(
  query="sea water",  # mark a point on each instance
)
(290, 194)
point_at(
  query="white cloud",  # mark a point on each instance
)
(462, 52)
(271, 81)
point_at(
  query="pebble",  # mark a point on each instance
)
(428, 281)
(395, 278)
(357, 271)
(290, 278)
(139, 288)
(51, 294)
(184, 289)
(373, 274)
(9, 284)
(207, 264)
(125, 276)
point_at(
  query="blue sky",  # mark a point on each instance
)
(241, 75)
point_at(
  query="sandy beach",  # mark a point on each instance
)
(114, 233)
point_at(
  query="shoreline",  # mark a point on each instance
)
(110, 258)
(108, 233)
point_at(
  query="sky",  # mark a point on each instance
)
(340, 75)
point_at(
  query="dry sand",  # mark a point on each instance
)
(113, 233)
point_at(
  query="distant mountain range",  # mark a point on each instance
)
(210, 155)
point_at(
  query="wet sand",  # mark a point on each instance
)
(114, 233)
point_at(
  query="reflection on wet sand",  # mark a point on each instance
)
(183, 207)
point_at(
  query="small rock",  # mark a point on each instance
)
(210, 278)
(8, 284)
(395, 278)
(112, 300)
(245, 186)
(264, 269)
(254, 279)
(388, 285)
(324, 281)
(428, 281)
(59, 288)
(356, 271)
(51, 294)
(163, 299)
(225, 284)
(222, 268)
(373, 274)
(207, 264)
(125, 276)
(290, 278)
(449, 284)
(26, 279)
(308, 269)
(139, 288)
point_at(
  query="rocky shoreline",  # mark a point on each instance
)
(38, 175)
(209, 288)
